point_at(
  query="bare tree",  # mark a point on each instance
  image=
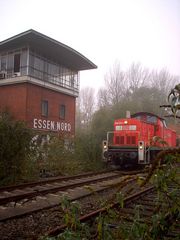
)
(137, 89)
(103, 98)
(85, 106)
(137, 77)
(163, 80)
(115, 83)
(120, 84)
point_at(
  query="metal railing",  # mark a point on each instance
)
(65, 81)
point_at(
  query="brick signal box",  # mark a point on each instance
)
(39, 81)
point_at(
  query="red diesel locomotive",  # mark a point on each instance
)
(137, 139)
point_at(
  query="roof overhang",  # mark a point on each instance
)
(50, 48)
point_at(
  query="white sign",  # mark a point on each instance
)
(125, 127)
(51, 125)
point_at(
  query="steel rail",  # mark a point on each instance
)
(42, 203)
(51, 189)
(50, 180)
(92, 215)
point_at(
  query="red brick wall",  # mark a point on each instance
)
(24, 101)
(13, 98)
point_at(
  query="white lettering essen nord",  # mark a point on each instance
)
(51, 125)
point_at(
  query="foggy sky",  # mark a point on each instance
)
(105, 31)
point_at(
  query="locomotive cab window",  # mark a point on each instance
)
(151, 119)
(164, 123)
(138, 117)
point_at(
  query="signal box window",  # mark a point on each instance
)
(17, 63)
(44, 108)
(62, 111)
(3, 63)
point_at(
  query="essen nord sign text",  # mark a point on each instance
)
(51, 125)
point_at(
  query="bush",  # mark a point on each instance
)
(16, 149)
(70, 155)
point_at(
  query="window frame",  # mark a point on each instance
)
(17, 62)
(44, 108)
(62, 111)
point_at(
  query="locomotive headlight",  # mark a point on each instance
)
(141, 145)
(104, 145)
(125, 122)
(141, 152)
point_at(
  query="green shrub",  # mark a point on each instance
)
(16, 149)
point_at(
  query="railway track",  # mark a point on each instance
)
(47, 180)
(146, 200)
(17, 201)
(60, 179)
(31, 190)
(30, 218)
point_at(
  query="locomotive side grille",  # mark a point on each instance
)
(131, 140)
(117, 140)
(128, 140)
(121, 140)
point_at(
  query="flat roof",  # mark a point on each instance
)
(49, 47)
